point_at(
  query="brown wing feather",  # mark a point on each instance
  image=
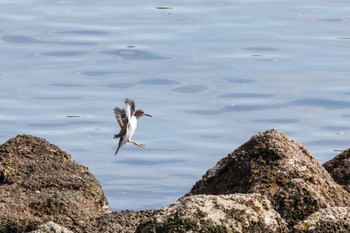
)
(129, 108)
(120, 116)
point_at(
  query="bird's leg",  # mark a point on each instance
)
(136, 144)
(116, 136)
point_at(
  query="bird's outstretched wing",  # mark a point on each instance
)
(129, 108)
(120, 116)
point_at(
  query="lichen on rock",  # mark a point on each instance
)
(51, 227)
(217, 213)
(334, 219)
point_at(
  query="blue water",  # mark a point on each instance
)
(212, 74)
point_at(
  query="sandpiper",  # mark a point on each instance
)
(127, 120)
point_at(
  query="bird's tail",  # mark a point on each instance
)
(119, 145)
(116, 152)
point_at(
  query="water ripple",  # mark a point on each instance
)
(246, 95)
(82, 32)
(278, 121)
(334, 128)
(261, 49)
(120, 85)
(152, 82)
(321, 103)
(59, 97)
(148, 162)
(317, 103)
(97, 73)
(240, 80)
(163, 8)
(18, 39)
(21, 39)
(134, 54)
(64, 53)
(64, 85)
(331, 20)
(62, 124)
(234, 108)
(158, 82)
(190, 89)
(77, 43)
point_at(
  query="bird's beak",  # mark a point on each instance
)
(147, 115)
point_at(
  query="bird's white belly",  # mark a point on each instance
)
(131, 128)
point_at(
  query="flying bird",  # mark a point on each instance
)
(127, 120)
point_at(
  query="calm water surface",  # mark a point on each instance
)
(211, 73)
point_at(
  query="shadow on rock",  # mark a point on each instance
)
(339, 168)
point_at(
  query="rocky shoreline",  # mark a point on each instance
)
(269, 184)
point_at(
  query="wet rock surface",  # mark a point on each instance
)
(339, 168)
(41, 183)
(283, 170)
(222, 213)
(269, 184)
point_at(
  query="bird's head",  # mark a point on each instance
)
(139, 113)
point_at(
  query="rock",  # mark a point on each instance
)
(118, 221)
(269, 184)
(223, 213)
(335, 219)
(39, 183)
(51, 227)
(339, 168)
(283, 170)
